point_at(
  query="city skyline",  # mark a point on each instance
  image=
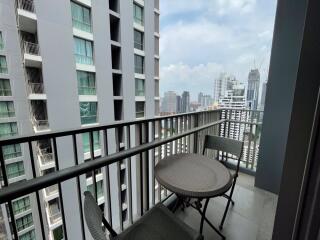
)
(230, 36)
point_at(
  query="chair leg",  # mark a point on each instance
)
(228, 197)
(228, 204)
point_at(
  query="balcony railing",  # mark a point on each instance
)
(40, 124)
(139, 145)
(26, 5)
(31, 48)
(45, 155)
(35, 88)
(51, 190)
(55, 217)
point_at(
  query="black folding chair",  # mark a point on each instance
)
(226, 146)
(157, 224)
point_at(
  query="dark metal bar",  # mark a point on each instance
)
(6, 184)
(56, 159)
(153, 193)
(141, 170)
(159, 156)
(76, 162)
(146, 173)
(117, 138)
(129, 187)
(32, 185)
(108, 190)
(94, 178)
(34, 174)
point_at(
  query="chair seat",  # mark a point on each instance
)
(159, 224)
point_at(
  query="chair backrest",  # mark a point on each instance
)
(94, 218)
(227, 145)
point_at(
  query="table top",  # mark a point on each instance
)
(193, 175)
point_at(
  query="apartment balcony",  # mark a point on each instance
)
(252, 214)
(45, 157)
(55, 218)
(40, 124)
(32, 56)
(26, 16)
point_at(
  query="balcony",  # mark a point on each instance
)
(26, 16)
(45, 156)
(32, 56)
(254, 210)
(39, 116)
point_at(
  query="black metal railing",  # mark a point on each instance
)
(127, 156)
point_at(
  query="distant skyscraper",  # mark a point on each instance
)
(263, 95)
(169, 102)
(253, 89)
(200, 98)
(223, 83)
(179, 103)
(185, 105)
(234, 98)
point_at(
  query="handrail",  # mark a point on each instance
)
(69, 132)
(23, 188)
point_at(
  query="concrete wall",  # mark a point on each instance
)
(285, 56)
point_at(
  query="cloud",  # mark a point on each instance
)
(225, 35)
(180, 77)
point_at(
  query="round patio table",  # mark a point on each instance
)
(194, 176)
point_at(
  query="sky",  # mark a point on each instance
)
(202, 38)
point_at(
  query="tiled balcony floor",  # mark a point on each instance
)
(250, 218)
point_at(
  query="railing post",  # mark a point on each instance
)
(195, 139)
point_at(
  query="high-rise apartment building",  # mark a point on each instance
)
(221, 84)
(169, 103)
(263, 95)
(253, 89)
(185, 102)
(179, 107)
(65, 65)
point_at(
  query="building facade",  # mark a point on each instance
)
(253, 89)
(221, 84)
(64, 65)
(169, 103)
(185, 102)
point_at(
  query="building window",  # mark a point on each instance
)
(11, 151)
(88, 112)
(138, 40)
(3, 65)
(86, 141)
(24, 222)
(1, 42)
(6, 109)
(99, 189)
(81, 17)
(83, 51)
(58, 233)
(8, 129)
(156, 88)
(140, 109)
(86, 83)
(21, 205)
(5, 88)
(156, 67)
(138, 14)
(28, 236)
(156, 23)
(139, 87)
(138, 64)
(15, 169)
